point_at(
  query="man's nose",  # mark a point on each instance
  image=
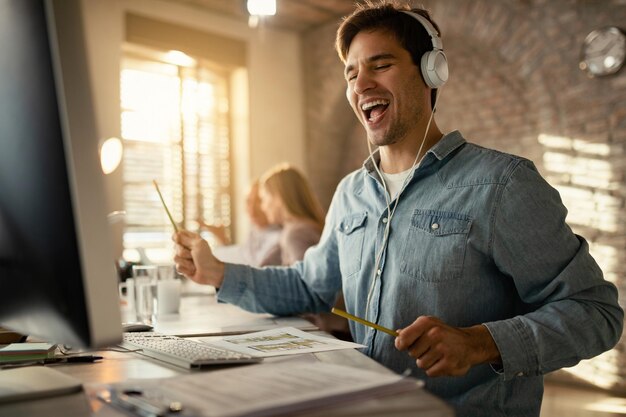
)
(363, 82)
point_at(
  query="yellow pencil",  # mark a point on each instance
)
(362, 321)
(165, 205)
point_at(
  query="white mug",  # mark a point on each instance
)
(168, 296)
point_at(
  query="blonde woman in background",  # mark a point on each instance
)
(289, 202)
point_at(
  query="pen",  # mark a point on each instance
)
(50, 361)
(365, 322)
(165, 205)
(72, 359)
(77, 359)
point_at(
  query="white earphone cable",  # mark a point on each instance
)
(390, 211)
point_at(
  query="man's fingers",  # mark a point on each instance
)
(186, 271)
(184, 264)
(417, 350)
(443, 367)
(438, 349)
(182, 252)
(428, 359)
(438, 368)
(184, 238)
(410, 334)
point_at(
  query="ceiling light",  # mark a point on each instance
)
(262, 7)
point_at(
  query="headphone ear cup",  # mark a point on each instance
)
(434, 66)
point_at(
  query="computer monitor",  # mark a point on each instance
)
(57, 272)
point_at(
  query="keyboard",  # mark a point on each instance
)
(182, 352)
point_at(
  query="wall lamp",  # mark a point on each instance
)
(111, 152)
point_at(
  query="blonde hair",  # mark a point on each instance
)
(294, 190)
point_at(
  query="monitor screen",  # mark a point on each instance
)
(57, 275)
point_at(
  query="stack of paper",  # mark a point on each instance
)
(256, 390)
(19, 352)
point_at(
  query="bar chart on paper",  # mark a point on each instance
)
(283, 341)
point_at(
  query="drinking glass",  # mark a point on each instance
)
(145, 277)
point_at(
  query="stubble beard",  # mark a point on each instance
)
(396, 132)
(389, 137)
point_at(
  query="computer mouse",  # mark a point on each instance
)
(136, 327)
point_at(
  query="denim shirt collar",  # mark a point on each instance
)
(447, 144)
(440, 150)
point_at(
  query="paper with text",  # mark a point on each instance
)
(283, 341)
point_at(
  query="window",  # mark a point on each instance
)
(175, 129)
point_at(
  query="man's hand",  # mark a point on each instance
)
(443, 350)
(195, 260)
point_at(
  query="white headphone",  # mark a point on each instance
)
(434, 64)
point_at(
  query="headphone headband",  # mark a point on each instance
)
(434, 36)
(434, 64)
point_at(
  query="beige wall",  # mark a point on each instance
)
(270, 130)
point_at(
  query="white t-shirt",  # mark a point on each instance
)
(395, 182)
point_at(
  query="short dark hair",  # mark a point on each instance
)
(389, 17)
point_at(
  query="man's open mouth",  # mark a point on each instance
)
(373, 110)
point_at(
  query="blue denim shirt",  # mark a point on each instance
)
(478, 236)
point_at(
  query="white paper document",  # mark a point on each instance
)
(270, 389)
(284, 341)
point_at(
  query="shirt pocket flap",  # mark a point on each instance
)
(352, 222)
(441, 223)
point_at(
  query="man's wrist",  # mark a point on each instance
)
(217, 274)
(485, 347)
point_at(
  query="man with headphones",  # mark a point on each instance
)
(465, 250)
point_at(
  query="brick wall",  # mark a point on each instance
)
(515, 86)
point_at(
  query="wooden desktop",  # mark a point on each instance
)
(120, 366)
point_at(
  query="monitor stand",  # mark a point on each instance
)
(34, 382)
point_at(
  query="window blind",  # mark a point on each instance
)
(175, 128)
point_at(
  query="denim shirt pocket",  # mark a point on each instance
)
(435, 245)
(351, 232)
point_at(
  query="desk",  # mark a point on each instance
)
(118, 366)
(202, 315)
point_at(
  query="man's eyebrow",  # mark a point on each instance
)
(369, 60)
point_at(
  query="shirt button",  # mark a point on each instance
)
(379, 272)
(435, 226)
(520, 374)
(385, 220)
(346, 228)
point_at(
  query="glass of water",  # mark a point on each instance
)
(145, 277)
